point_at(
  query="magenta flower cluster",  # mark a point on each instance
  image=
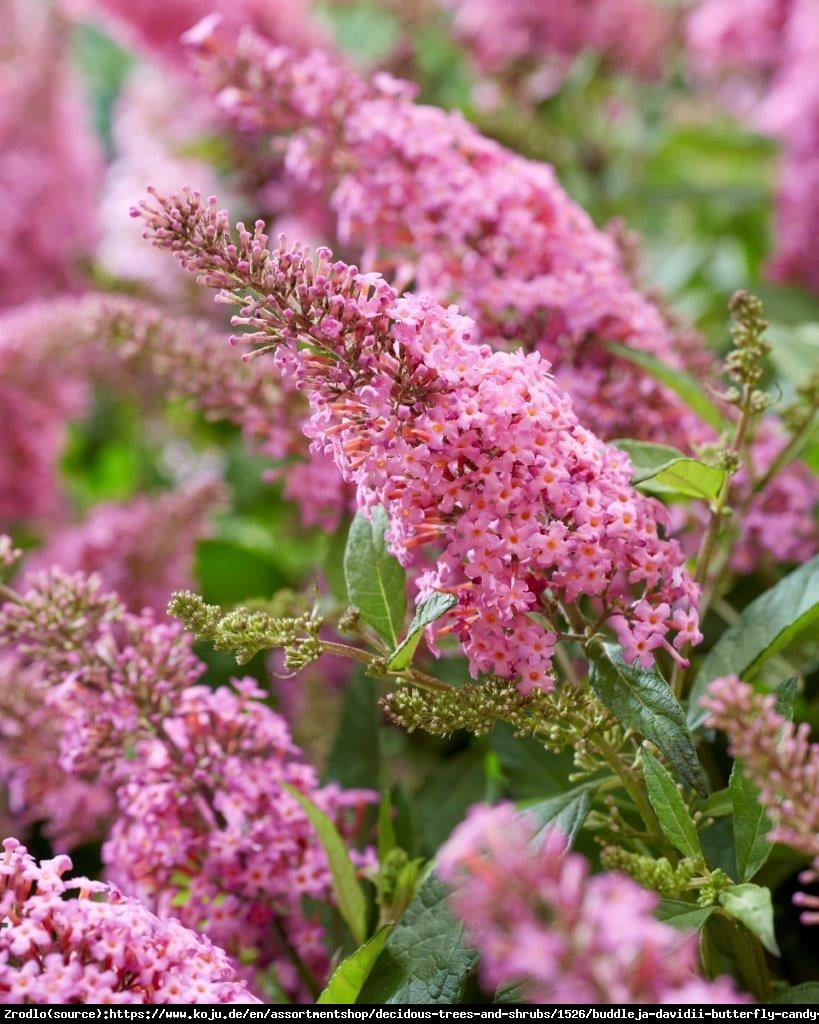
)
(79, 941)
(422, 195)
(202, 828)
(542, 922)
(477, 456)
(142, 549)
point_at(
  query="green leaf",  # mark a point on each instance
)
(660, 469)
(348, 978)
(531, 771)
(566, 812)
(765, 627)
(682, 384)
(786, 696)
(424, 959)
(426, 613)
(375, 581)
(647, 457)
(688, 478)
(447, 792)
(355, 757)
(688, 917)
(795, 350)
(670, 808)
(751, 824)
(718, 804)
(349, 894)
(808, 992)
(751, 905)
(641, 699)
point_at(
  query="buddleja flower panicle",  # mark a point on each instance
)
(459, 444)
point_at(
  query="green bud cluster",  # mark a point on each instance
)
(718, 882)
(475, 707)
(745, 362)
(652, 873)
(244, 633)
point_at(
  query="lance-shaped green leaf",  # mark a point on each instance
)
(751, 824)
(660, 469)
(349, 894)
(566, 812)
(427, 612)
(376, 583)
(766, 626)
(646, 456)
(687, 387)
(670, 808)
(688, 917)
(424, 959)
(642, 700)
(687, 478)
(348, 978)
(751, 905)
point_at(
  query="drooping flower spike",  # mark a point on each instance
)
(477, 456)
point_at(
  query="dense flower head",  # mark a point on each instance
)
(532, 43)
(422, 195)
(50, 162)
(79, 941)
(539, 919)
(71, 808)
(778, 757)
(202, 828)
(477, 456)
(142, 549)
(212, 837)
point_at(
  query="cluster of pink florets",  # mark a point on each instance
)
(423, 196)
(541, 921)
(202, 827)
(78, 941)
(46, 140)
(477, 456)
(142, 549)
(778, 757)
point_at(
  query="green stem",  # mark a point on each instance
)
(710, 537)
(786, 454)
(632, 787)
(421, 679)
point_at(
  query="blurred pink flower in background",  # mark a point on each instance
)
(50, 161)
(764, 56)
